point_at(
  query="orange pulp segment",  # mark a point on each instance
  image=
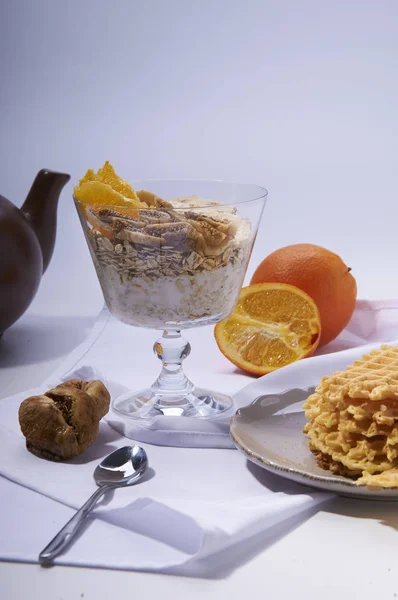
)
(107, 188)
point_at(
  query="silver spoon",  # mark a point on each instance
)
(121, 468)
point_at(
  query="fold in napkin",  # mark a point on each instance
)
(192, 505)
(123, 355)
(197, 507)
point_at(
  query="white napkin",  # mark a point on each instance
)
(198, 509)
(194, 509)
(123, 355)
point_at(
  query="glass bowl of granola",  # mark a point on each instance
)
(169, 255)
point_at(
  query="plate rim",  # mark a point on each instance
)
(277, 468)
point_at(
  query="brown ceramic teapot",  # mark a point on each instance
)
(27, 238)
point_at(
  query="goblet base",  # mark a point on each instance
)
(198, 403)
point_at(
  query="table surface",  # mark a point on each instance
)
(339, 538)
(306, 106)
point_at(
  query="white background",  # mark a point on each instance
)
(298, 96)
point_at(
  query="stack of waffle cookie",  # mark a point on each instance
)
(353, 420)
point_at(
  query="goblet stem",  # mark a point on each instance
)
(172, 394)
(172, 349)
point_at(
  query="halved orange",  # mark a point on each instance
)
(273, 325)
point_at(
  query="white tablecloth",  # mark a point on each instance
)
(224, 503)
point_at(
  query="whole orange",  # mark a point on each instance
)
(322, 275)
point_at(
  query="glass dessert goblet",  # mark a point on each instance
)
(178, 262)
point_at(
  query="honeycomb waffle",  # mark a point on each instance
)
(353, 420)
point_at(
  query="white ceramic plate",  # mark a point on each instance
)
(270, 432)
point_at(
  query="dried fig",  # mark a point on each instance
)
(64, 421)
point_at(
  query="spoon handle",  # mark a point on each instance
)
(68, 532)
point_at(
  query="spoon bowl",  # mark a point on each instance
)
(122, 467)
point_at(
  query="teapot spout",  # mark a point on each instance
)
(40, 209)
